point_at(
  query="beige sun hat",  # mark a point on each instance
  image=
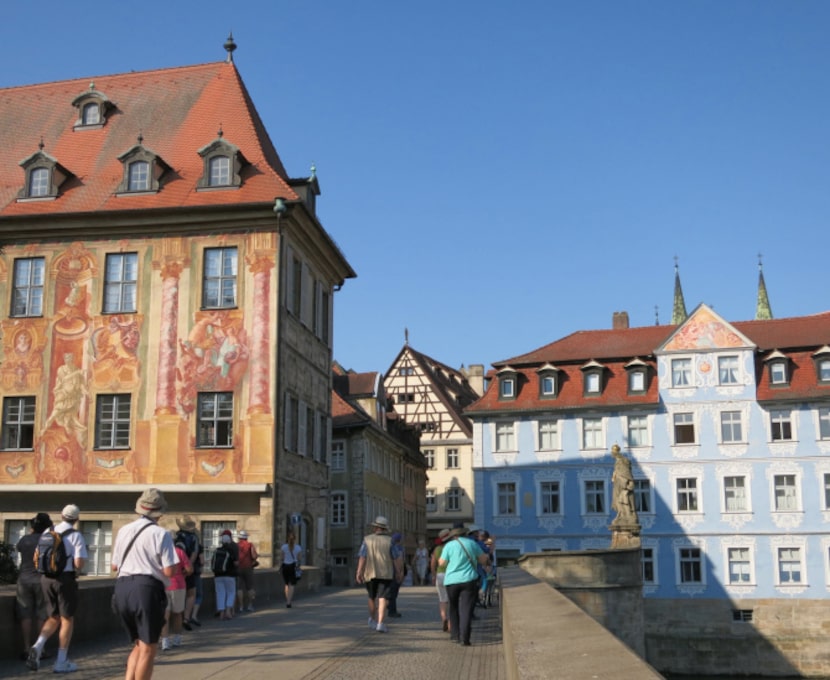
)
(151, 504)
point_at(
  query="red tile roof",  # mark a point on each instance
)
(796, 337)
(176, 110)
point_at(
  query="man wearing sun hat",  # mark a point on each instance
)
(61, 594)
(144, 559)
(188, 539)
(376, 567)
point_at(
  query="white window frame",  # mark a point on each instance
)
(689, 492)
(685, 554)
(452, 497)
(778, 373)
(788, 552)
(728, 427)
(547, 385)
(98, 538)
(120, 283)
(729, 370)
(431, 502)
(508, 490)
(542, 495)
(650, 558)
(593, 382)
(643, 488)
(780, 418)
(734, 492)
(547, 434)
(595, 427)
(597, 489)
(339, 507)
(823, 423)
(642, 426)
(338, 456)
(504, 436)
(681, 372)
(28, 286)
(747, 560)
(429, 457)
(507, 387)
(688, 418)
(779, 483)
(453, 459)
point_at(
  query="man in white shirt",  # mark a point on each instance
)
(144, 558)
(61, 594)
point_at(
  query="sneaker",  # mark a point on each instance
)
(33, 659)
(249, 608)
(395, 615)
(381, 628)
(165, 645)
(195, 622)
(177, 640)
(65, 667)
(372, 623)
(186, 625)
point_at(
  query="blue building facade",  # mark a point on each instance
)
(727, 426)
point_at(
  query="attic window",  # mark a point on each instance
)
(43, 177)
(222, 164)
(592, 378)
(142, 170)
(548, 381)
(778, 369)
(822, 361)
(93, 107)
(507, 383)
(637, 371)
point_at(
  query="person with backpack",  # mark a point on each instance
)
(223, 564)
(245, 580)
(29, 604)
(176, 591)
(186, 535)
(60, 555)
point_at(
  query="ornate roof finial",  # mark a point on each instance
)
(763, 311)
(313, 171)
(678, 314)
(140, 138)
(406, 337)
(230, 46)
(91, 85)
(220, 133)
(41, 144)
(656, 315)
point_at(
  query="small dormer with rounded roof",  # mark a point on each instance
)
(592, 375)
(548, 381)
(821, 357)
(93, 109)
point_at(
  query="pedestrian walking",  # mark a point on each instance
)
(65, 546)
(395, 586)
(438, 573)
(420, 563)
(461, 556)
(171, 633)
(30, 604)
(248, 556)
(189, 539)
(376, 568)
(144, 559)
(224, 564)
(291, 554)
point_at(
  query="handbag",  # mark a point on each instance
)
(298, 572)
(113, 604)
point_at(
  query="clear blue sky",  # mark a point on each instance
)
(502, 174)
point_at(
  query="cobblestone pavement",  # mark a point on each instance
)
(324, 636)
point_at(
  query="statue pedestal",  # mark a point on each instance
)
(625, 536)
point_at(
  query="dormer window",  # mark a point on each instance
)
(637, 371)
(548, 381)
(507, 383)
(222, 164)
(592, 378)
(44, 176)
(143, 169)
(822, 362)
(778, 367)
(93, 108)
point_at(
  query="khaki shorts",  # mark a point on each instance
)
(175, 601)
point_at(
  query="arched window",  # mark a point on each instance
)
(91, 114)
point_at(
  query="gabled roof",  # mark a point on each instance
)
(449, 384)
(177, 111)
(347, 414)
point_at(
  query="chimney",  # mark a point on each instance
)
(475, 377)
(620, 321)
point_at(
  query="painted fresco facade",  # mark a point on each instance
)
(727, 426)
(166, 312)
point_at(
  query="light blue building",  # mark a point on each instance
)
(727, 426)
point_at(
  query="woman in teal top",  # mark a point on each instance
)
(461, 557)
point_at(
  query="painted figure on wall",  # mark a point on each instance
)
(69, 391)
(115, 349)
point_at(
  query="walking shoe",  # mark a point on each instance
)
(381, 628)
(445, 626)
(65, 667)
(177, 640)
(372, 623)
(195, 622)
(395, 615)
(33, 659)
(186, 625)
(165, 645)
(249, 608)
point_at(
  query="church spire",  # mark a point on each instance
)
(678, 314)
(763, 310)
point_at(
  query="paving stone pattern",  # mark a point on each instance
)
(324, 636)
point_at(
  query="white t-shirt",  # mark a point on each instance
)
(75, 545)
(152, 551)
(289, 557)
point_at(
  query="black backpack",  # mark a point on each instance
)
(50, 555)
(222, 560)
